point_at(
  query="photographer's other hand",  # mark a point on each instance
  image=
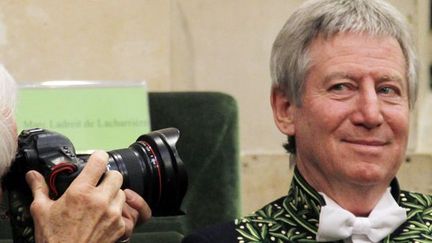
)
(86, 212)
(135, 211)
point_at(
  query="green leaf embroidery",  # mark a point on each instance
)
(264, 231)
(246, 235)
(253, 231)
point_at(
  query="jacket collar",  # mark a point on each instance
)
(304, 203)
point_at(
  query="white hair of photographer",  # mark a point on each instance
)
(8, 133)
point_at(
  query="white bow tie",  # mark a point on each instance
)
(336, 223)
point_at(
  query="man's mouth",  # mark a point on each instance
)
(367, 142)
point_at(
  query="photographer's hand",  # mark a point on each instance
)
(135, 211)
(86, 212)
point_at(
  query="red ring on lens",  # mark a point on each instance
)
(155, 163)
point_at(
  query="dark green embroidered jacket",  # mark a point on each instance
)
(294, 218)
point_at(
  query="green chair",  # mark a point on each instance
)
(208, 145)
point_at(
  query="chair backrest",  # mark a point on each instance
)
(208, 145)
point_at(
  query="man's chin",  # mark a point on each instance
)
(369, 176)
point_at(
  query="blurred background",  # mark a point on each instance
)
(193, 45)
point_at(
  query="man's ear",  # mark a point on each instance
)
(283, 111)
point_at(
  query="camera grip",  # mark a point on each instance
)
(20, 217)
(20, 198)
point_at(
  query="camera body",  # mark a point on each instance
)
(51, 154)
(150, 166)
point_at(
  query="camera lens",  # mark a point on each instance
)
(152, 168)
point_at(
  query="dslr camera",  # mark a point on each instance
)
(150, 166)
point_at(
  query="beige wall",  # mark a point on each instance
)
(219, 45)
(81, 39)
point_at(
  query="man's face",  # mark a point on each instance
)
(352, 126)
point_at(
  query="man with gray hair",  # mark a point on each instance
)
(344, 81)
(88, 211)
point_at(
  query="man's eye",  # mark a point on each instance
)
(339, 87)
(388, 91)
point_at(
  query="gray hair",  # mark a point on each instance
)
(325, 18)
(8, 143)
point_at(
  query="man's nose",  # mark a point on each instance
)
(368, 111)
